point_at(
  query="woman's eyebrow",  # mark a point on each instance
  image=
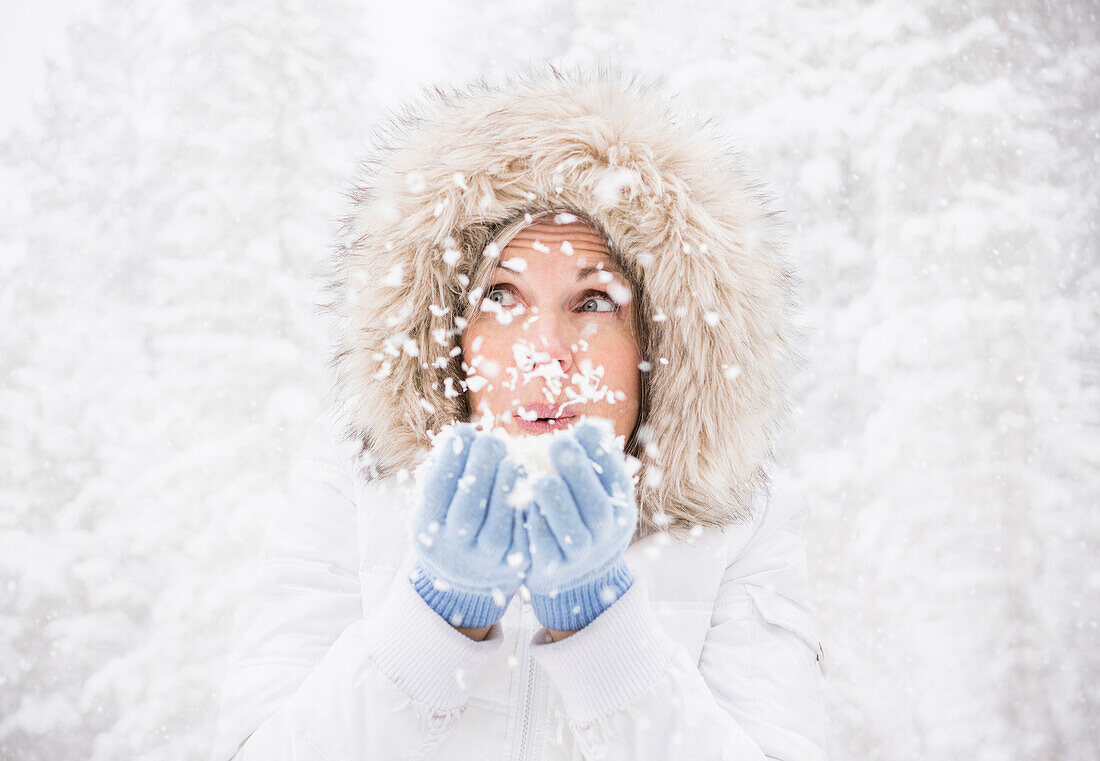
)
(512, 272)
(584, 272)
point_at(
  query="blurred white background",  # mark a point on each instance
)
(171, 174)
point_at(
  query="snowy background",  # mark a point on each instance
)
(170, 174)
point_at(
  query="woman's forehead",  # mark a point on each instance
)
(571, 246)
(579, 234)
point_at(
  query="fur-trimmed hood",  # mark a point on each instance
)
(680, 213)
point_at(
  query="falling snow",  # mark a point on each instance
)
(165, 216)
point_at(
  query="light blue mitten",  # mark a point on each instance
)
(471, 545)
(581, 522)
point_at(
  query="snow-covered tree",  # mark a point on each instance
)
(160, 341)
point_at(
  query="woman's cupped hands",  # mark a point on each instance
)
(478, 535)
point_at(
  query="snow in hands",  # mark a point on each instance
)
(531, 453)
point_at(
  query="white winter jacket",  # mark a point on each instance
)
(711, 654)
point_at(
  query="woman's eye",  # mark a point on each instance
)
(501, 296)
(598, 303)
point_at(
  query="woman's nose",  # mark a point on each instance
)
(549, 337)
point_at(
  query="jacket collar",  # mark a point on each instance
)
(682, 214)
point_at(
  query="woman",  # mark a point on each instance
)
(538, 257)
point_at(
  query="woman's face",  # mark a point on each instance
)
(553, 338)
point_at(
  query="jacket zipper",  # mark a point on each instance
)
(531, 684)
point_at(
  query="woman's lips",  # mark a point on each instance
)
(544, 425)
(549, 417)
(543, 410)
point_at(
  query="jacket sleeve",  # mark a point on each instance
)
(309, 678)
(632, 692)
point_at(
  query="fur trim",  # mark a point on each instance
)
(680, 212)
